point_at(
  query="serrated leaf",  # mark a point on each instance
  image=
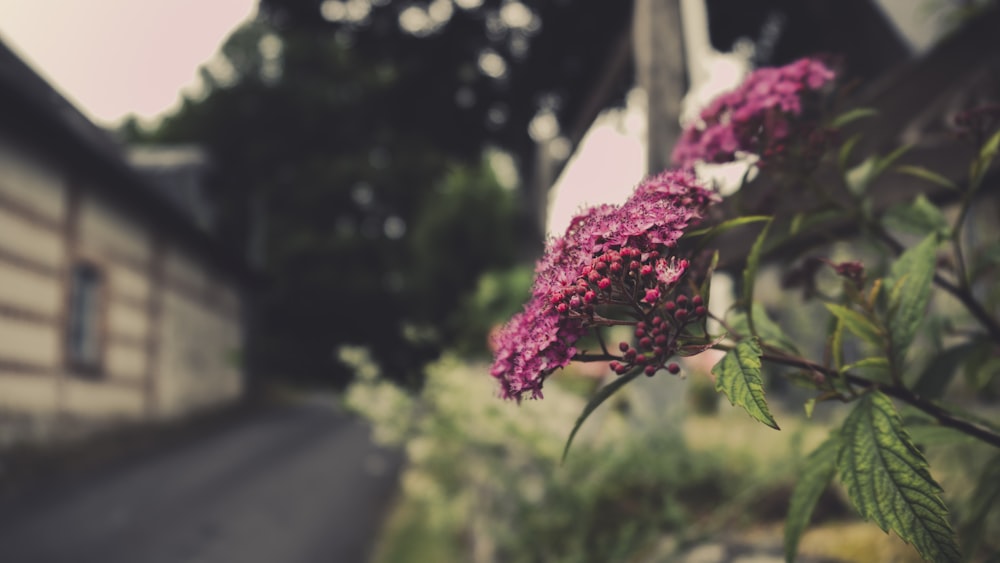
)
(852, 115)
(917, 217)
(888, 480)
(815, 477)
(912, 273)
(602, 395)
(750, 273)
(925, 174)
(859, 325)
(985, 497)
(738, 376)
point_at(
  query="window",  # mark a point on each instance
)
(84, 338)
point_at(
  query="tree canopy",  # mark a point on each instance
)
(349, 146)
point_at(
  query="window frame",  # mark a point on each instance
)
(85, 332)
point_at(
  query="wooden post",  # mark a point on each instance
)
(658, 43)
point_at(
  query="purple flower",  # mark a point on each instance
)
(609, 256)
(753, 118)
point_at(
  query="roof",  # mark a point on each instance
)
(36, 114)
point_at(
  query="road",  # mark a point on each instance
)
(297, 483)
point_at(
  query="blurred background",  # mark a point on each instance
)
(226, 225)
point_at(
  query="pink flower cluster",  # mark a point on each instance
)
(756, 118)
(609, 256)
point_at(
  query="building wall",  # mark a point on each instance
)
(170, 326)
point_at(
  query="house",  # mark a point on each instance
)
(115, 304)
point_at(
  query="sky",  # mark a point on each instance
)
(116, 57)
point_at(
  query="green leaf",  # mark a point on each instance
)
(818, 471)
(888, 480)
(858, 177)
(912, 274)
(987, 373)
(982, 162)
(875, 369)
(936, 376)
(768, 331)
(851, 115)
(925, 174)
(738, 376)
(845, 151)
(809, 406)
(714, 231)
(750, 273)
(861, 176)
(859, 325)
(985, 497)
(602, 395)
(837, 344)
(930, 433)
(918, 217)
(887, 160)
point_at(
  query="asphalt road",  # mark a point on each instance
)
(291, 484)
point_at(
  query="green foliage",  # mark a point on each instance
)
(938, 373)
(738, 376)
(888, 480)
(511, 498)
(378, 216)
(918, 217)
(769, 332)
(910, 290)
(815, 477)
(852, 115)
(985, 498)
(859, 178)
(711, 232)
(859, 324)
(602, 395)
(750, 274)
(981, 164)
(925, 174)
(498, 295)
